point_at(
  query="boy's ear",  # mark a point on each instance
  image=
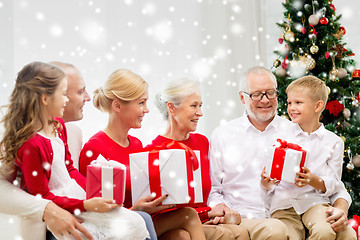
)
(319, 106)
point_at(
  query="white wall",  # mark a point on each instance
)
(213, 41)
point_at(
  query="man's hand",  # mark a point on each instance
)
(63, 224)
(222, 214)
(147, 204)
(337, 218)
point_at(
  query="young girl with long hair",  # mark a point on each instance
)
(124, 98)
(35, 141)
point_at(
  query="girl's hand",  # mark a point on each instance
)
(98, 204)
(267, 182)
(147, 204)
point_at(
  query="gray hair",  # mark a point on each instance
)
(256, 70)
(176, 91)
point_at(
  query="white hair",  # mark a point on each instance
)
(256, 70)
(176, 91)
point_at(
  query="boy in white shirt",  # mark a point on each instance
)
(305, 202)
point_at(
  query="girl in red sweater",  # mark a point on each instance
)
(35, 140)
(124, 98)
(180, 104)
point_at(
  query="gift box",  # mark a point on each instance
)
(355, 223)
(173, 171)
(287, 160)
(106, 178)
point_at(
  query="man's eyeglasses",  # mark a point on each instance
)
(257, 96)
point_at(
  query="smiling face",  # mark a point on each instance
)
(55, 104)
(301, 107)
(263, 111)
(77, 96)
(187, 113)
(132, 112)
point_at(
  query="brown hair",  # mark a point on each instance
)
(25, 109)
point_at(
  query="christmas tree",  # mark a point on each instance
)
(311, 44)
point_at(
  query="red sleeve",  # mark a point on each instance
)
(89, 152)
(203, 213)
(34, 164)
(73, 172)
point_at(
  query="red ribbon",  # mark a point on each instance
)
(192, 164)
(279, 158)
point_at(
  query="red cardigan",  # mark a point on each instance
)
(35, 157)
(102, 144)
(195, 142)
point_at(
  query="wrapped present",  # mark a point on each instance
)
(287, 160)
(355, 223)
(106, 178)
(159, 171)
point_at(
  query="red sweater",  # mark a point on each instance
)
(102, 144)
(201, 143)
(35, 157)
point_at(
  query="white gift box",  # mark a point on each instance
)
(285, 161)
(173, 176)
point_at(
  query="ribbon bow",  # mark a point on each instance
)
(101, 161)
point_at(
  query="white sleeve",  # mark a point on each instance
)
(15, 201)
(216, 171)
(340, 192)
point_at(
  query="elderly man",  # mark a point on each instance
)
(236, 163)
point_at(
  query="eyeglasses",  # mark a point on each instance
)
(257, 96)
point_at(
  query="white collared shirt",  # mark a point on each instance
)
(236, 164)
(325, 159)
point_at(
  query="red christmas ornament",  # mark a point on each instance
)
(281, 40)
(327, 55)
(356, 73)
(303, 30)
(332, 7)
(355, 223)
(284, 64)
(343, 30)
(358, 97)
(324, 21)
(334, 107)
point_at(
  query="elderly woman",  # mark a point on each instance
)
(180, 104)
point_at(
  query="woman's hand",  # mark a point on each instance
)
(98, 204)
(222, 214)
(147, 204)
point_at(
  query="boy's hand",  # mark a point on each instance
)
(98, 204)
(307, 178)
(267, 182)
(304, 178)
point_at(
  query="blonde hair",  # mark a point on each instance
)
(24, 112)
(122, 84)
(313, 86)
(256, 70)
(175, 92)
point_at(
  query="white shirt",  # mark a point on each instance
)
(75, 141)
(236, 164)
(324, 159)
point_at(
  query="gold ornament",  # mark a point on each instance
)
(314, 49)
(346, 113)
(310, 62)
(333, 74)
(343, 138)
(356, 160)
(342, 72)
(276, 63)
(290, 36)
(328, 89)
